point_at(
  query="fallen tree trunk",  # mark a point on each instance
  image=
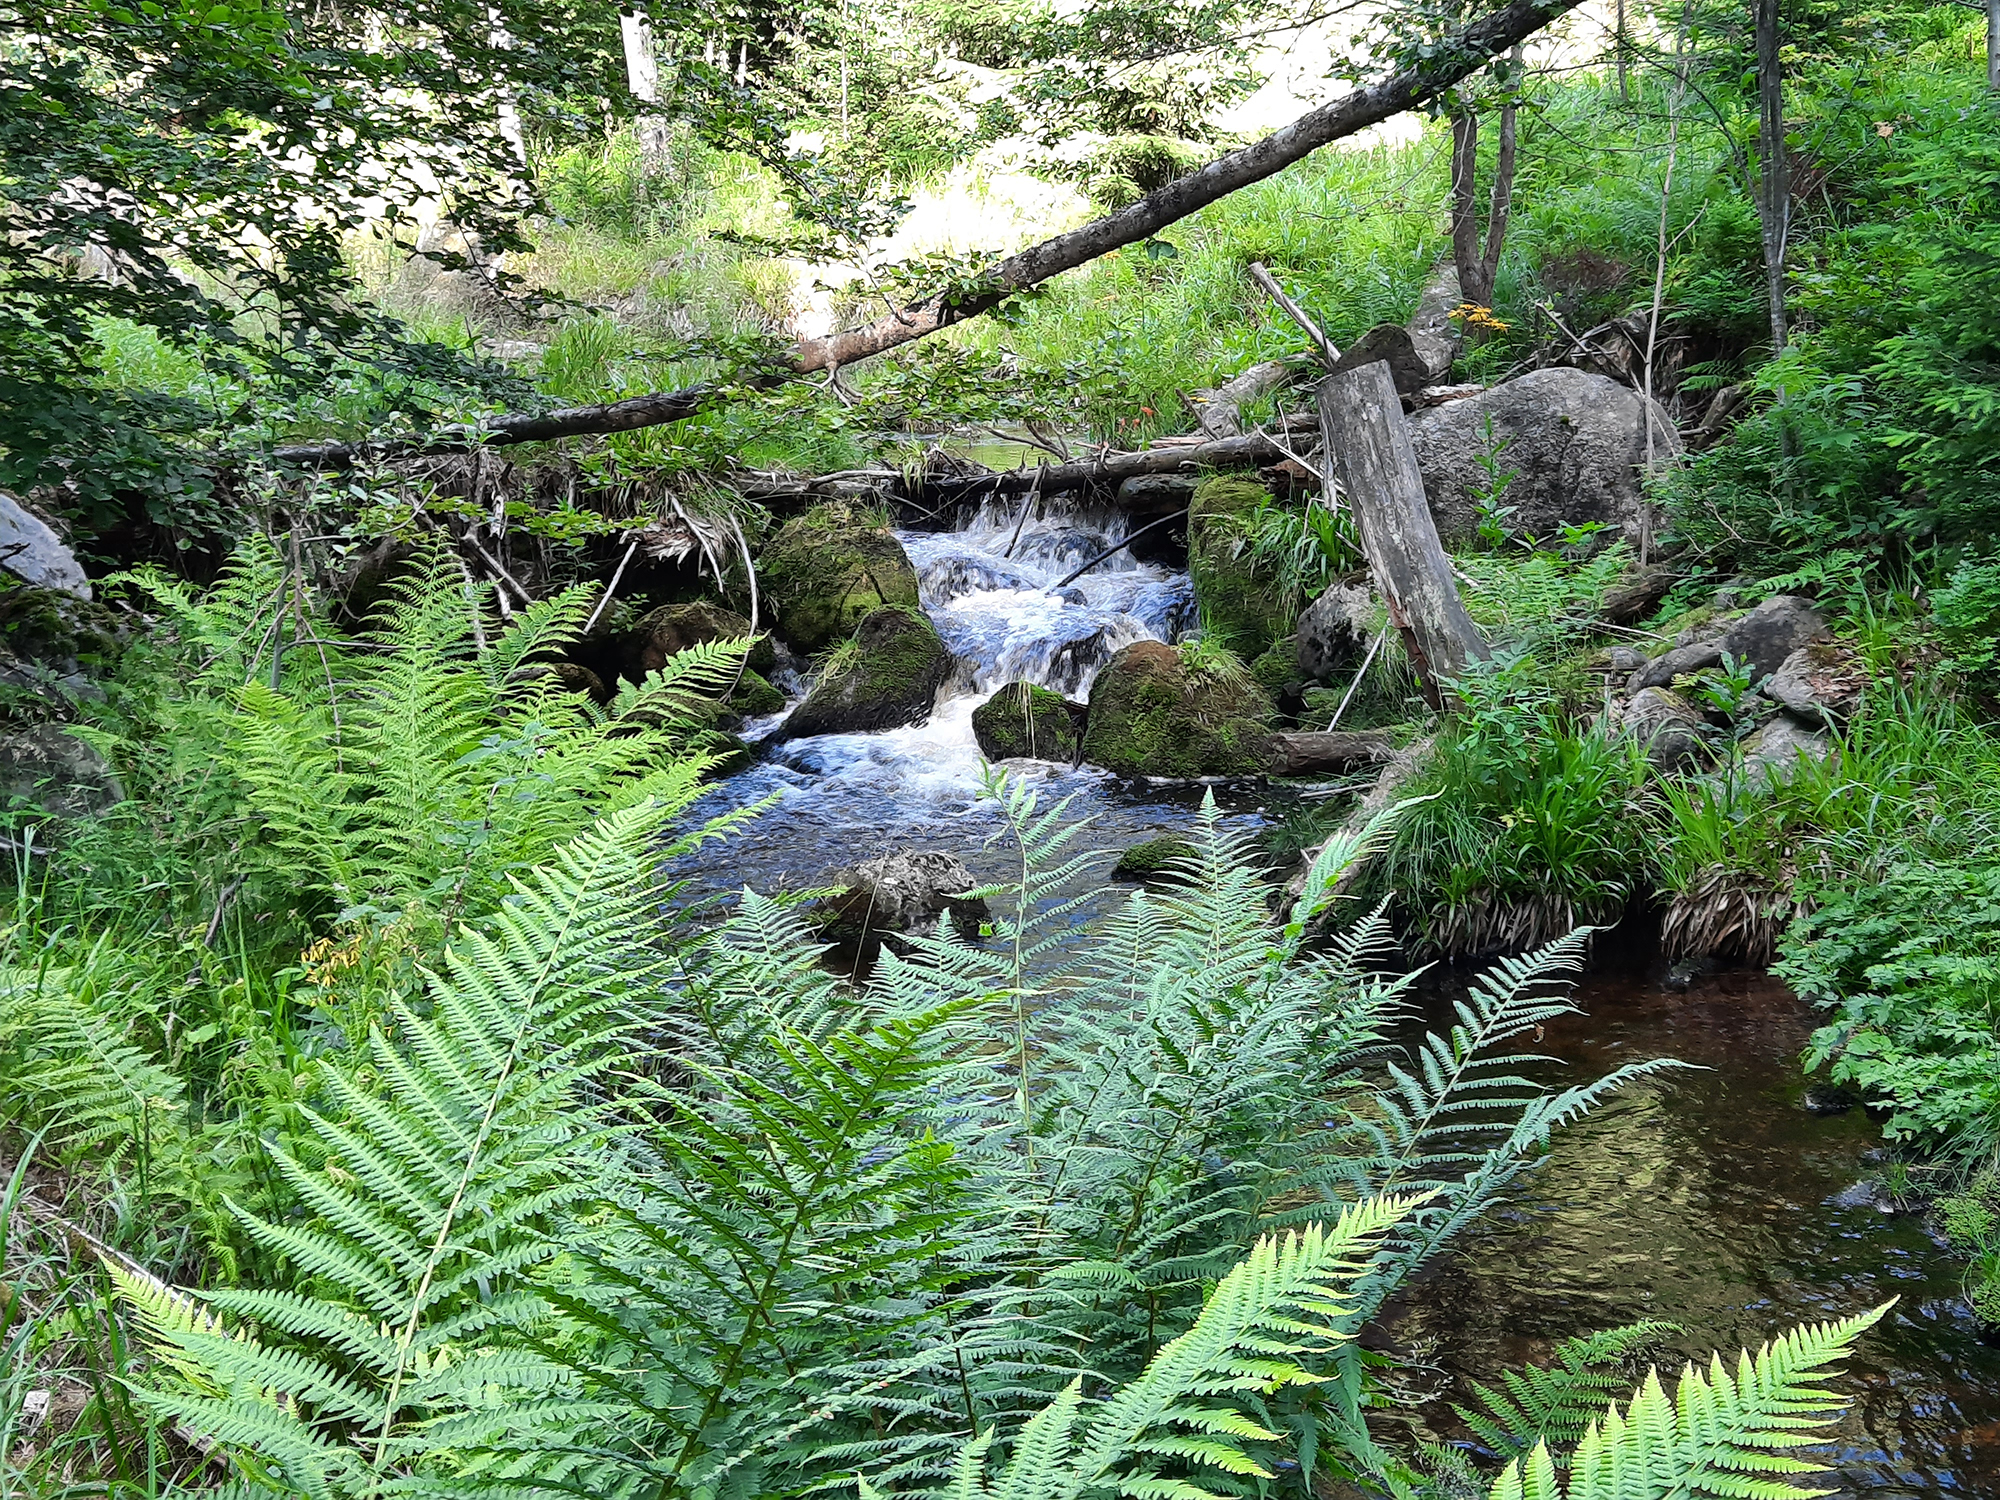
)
(1361, 419)
(1456, 58)
(1311, 752)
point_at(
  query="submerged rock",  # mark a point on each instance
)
(1023, 721)
(1773, 631)
(1155, 859)
(889, 677)
(674, 628)
(1242, 606)
(1820, 684)
(828, 569)
(904, 891)
(754, 697)
(1574, 442)
(1828, 1099)
(1151, 716)
(1667, 724)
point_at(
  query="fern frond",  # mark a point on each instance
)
(1716, 1438)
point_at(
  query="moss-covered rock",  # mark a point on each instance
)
(1150, 715)
(1022, 720)
(826, 570)
(1155, 859)
(566, 676)
(1245, 608)
(755, 697)
(888, 676)
(1277, 670)
(673, 628)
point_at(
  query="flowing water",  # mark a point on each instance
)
(846, 797)
(1707, 1198)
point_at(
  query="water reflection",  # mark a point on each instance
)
(1711, 1199)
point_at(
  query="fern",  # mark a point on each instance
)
(1557, 1404)
(1719, 1434)
(1172, 1429)
(458, 1133)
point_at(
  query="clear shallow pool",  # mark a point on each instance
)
(1711, 1199)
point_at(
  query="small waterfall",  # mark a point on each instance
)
(843, 797)
(986, 588)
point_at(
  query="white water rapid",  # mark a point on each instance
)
(845, 797)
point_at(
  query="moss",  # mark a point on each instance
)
(828, 569)
(888, 676)
(674, 628)
(1022, 720)
(1246, 609)
(1153, 860)
(755, 697)
(1150, 716)
(1277, 670)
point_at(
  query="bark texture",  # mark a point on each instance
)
(1361, 418)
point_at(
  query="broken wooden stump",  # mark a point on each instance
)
(1363, 428)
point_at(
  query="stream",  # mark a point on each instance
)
(1708, 1198)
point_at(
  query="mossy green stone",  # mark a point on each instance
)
(825, 571)
(673, 628)
(755, 697)
(1277, 669)
(1153, 860)
(889, 677)
(1150, 716)
(1025, 721)
(1246, 610)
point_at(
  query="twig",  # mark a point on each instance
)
(611, 587)
(1110, 551)
(1355, 686)
(1296, 313)
(1027, 505)
(494, 563)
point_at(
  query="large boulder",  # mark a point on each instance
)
(53, 643)
(1151, 715)
(1334, 631)
(1669, 727)
(673, 628)
(903, 891)
(1414, 361)
(888, 678)
(49, 770)
(1820, 684)
(1574, 442)
(32, 552)
(1773, 631)
(1023, 721)
(1242, 605)
(830, 567)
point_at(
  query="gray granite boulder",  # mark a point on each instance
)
(1575, 443)
(1773, 631)
(1666, 724)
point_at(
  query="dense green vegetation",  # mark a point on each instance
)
(377, 1117)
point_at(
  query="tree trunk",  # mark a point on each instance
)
(1456, 58)
(1316, 752)
(1361, 423)
(1774, 189)
(1479, 264)
(1993, 44)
